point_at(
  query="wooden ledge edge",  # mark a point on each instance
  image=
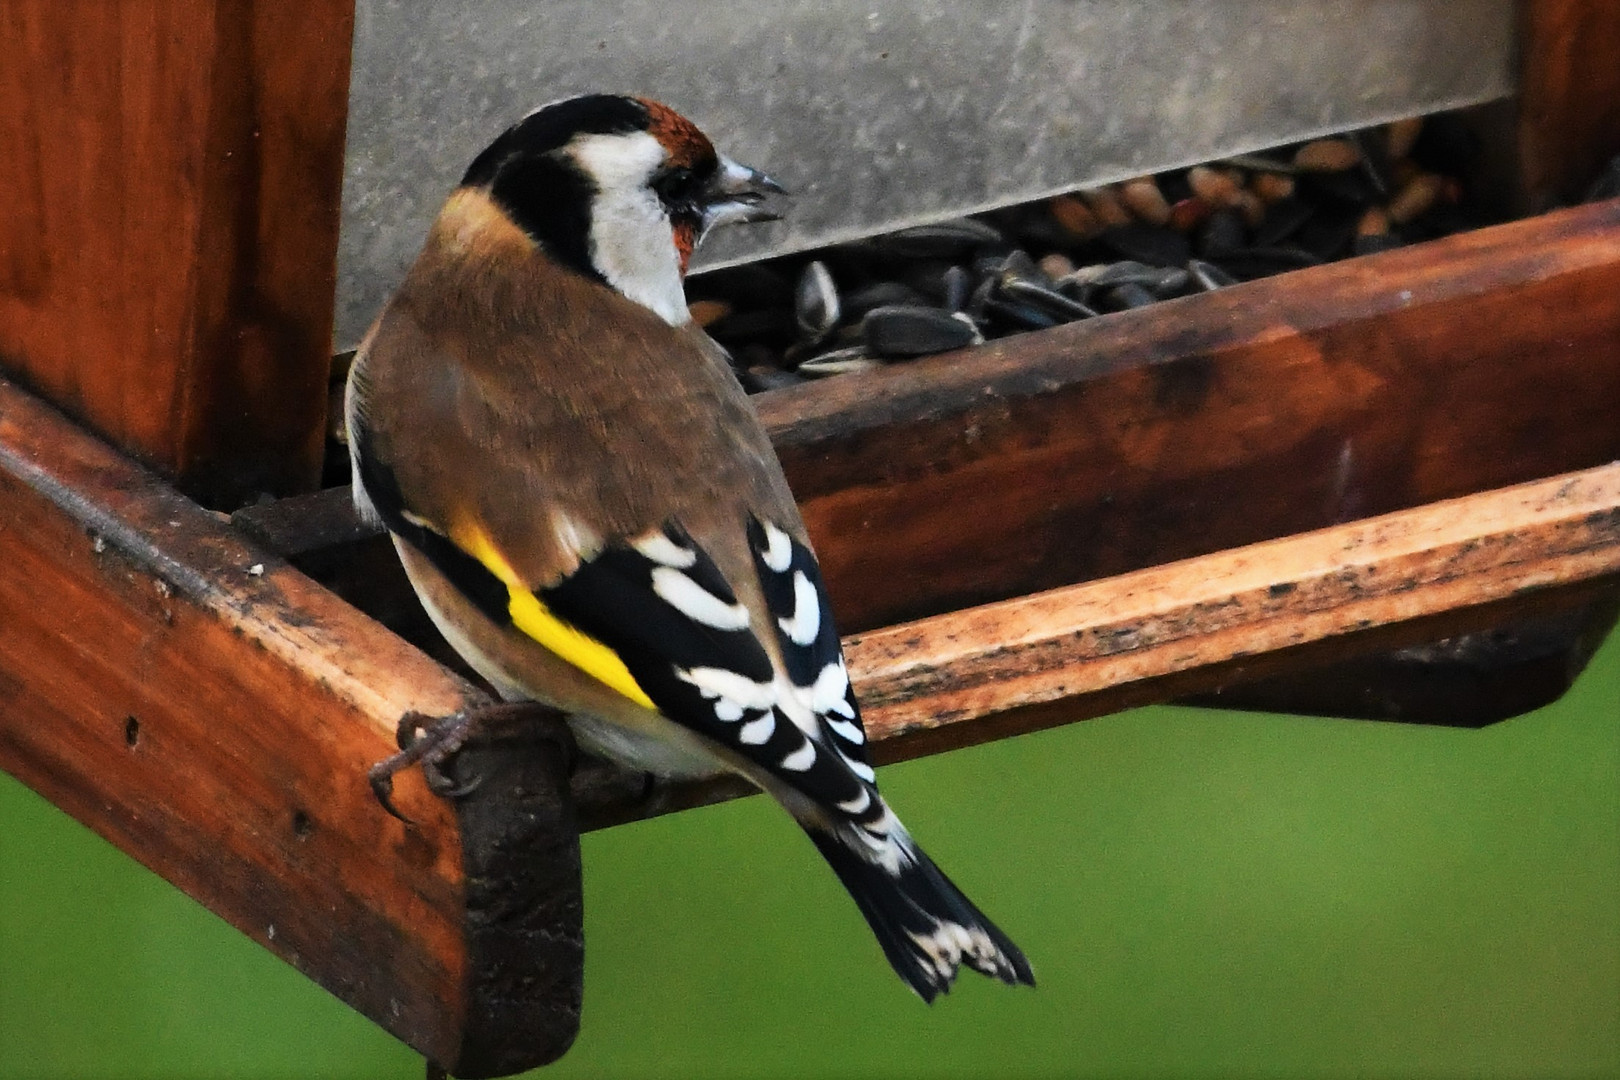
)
(1144, 636)
(212, 712)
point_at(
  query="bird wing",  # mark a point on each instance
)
(653, 618)
(662, 605)
(713, 613)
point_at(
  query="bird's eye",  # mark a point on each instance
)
(674, 186)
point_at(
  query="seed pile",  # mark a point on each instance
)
(937, 287)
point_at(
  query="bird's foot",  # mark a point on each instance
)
(434, 742)
(431, 743)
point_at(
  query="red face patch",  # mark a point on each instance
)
(687, 146)
(685, 241)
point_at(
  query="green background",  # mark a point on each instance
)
(1202, 894)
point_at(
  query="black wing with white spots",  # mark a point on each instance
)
(808, 639)
(660, 603)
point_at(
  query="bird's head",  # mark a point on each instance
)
(620, 189)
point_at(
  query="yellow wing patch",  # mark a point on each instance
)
(534, 619)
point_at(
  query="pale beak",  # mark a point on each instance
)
(737, 194)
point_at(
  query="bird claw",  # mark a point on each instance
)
(432, 742)
(381, 776)
(446, 787)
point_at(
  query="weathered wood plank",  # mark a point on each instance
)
(1466, 680)
(525, 914)
(171, 171)
(1293, 403)
(213, 712)
(1089, 648)
(1470, 681)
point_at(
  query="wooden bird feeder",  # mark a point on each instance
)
(1295, 494)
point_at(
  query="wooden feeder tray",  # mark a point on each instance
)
(1387, 487)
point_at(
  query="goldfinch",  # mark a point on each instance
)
(591, 513)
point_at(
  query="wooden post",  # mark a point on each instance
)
(171, 172)
(1569, 98)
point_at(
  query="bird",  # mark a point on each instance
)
(591, 513)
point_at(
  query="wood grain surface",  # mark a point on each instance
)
(1569, 101)
(171, 171)
(1097, 646)
(212, 711)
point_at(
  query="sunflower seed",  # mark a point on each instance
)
(757, 380)
(954, 239)
(1056, 265)
(1375, 163)
(1171, 281)
(1260, 163)
(958, 287)
(1416, 198)
(1128, 271)
(1075, 217)
(1127, 296)
(815, 302)
(1327, 156)
(1017, 317)
(1400, 136)
(1272, 187)
(1218, 187)
(1048, 300)
(1144, 199)
(917, 331)
(839, 362)
(1208, 276)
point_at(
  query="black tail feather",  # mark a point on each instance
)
(924, 924)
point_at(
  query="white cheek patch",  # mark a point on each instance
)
(632, 241)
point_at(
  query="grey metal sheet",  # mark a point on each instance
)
(883, 113)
